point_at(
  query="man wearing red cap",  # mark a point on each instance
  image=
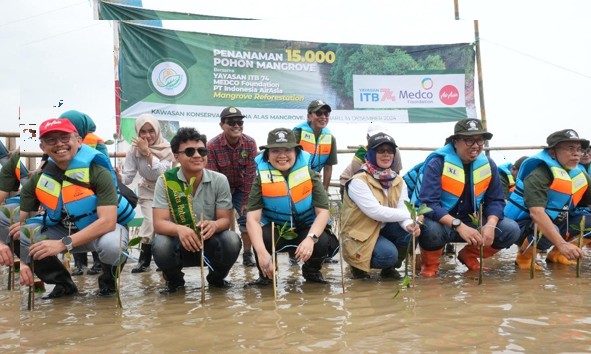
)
(84, 212)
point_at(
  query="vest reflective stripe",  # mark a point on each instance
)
(48, 192)
(565, 191)
(452, 179)
(481, 178)
(319, 151)
(280, 197)
(92, 140)
(17, 171)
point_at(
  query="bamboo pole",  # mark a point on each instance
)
(119, 304)
(481, 248)
(480, 78)
(532, 268)
(580, 244)
(201, 264)
(273, 260)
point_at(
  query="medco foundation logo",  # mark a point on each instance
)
(168, 78)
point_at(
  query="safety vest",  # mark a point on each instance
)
(319, 150)
(77, 198)
(565, 192)
(506, 170)
(92, 140)
(410, 178)
(286, 200)
(453, 177)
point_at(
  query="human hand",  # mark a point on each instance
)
(26, 275)
(208, 228)
(142, 145)
(189, 238)
(470, 235)
(414, 230)
(488, 234)
(266, 264)
(305, 249)
(6, 257)
(570, 250)
(46, 248)
(14, 231)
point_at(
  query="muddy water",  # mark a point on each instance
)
(450, 313)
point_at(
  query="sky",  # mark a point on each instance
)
(535, 61)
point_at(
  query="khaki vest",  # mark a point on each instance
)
(359, 233)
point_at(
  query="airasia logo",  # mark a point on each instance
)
(449, 95)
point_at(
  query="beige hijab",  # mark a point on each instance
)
(161, 147)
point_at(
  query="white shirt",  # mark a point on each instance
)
(140, 165)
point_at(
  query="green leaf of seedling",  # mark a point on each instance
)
(109, 142)
(406, 282)
(289, 235)
(424, 209)
(27, 233)
(474, 219)
(134, 242)
(411, 209)
(6, 212)
(115, 136)
(174, 186)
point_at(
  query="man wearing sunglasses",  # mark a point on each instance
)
(316, 139)
(455, 181)
(84, 211)
(189, 199)
(232, 154)
(552, 191)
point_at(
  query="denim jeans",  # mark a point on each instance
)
(527, 230)
(107, 246)
(237, 204)
(435, 235)
(392, 242)
(221, 251)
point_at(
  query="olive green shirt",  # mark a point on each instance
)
(537, 184)
(100, 180)
(8, 180)
(319, 196)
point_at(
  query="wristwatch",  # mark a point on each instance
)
(68, 242)
(314, 237)
(455, 223)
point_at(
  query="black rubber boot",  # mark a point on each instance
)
(359, 274)
(107, 280)
(52, 271)
(311, 271)
(174, 280)
(145, 259)
(96, 265)
(80, 262)
(390, 273)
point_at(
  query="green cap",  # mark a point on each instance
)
(280, 137)
(316, 105)
(470, 126)
(565, 135)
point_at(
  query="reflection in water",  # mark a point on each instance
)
(508, 313)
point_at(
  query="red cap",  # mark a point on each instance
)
(56, 125)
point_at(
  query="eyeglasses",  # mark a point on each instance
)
(322, 113)
(234, 123)
(385, 151)
(191, 151)
(573, 150)
(587, 151)
(472, 141)
(52, 141)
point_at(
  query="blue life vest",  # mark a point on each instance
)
(411, 177)
(319, 150)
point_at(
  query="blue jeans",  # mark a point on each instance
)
(392, 242)
(435, 235)
(237, 204)
(107, 246)
(527, 230)
(221, 251)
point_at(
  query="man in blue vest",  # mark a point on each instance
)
(550, 189)
(508, 173)
(454, 181)
(84, 211)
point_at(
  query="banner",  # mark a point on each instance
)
(189, 76)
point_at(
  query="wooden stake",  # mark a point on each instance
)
(532, 268)
(201, 265)
(481, 248)
(119, 269)
(273, 260)
(581, 232)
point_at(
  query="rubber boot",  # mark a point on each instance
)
(96, 265)
(248, 258)
(145, 258)
(523, 260)
(554, 256)
(107, 280)
(52, 271)
(311, 271)
(174, 280)
(430, 262)
(80, 262)
(469, 256)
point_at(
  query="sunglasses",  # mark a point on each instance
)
(191, 151)
(322, 113)
(234, 123)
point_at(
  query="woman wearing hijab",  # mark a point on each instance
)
(376, 225)
(86, 128)
(149, 156)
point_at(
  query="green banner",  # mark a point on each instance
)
(190, 76)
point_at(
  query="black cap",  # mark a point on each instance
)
(380, 139)
(280, 137)
(316, 105)
(470, 126)
(231, 112)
